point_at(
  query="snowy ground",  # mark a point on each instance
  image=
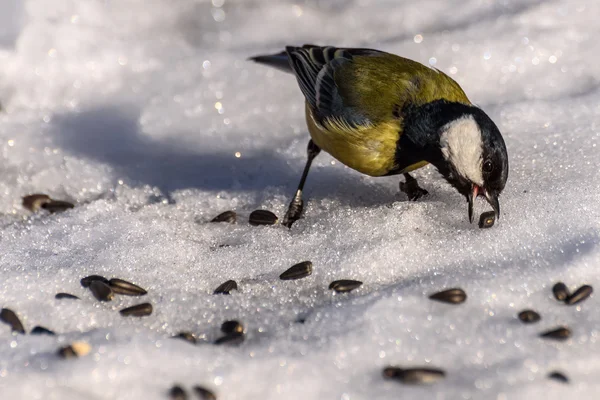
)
(136, 109)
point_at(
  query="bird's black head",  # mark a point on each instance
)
(474, 158)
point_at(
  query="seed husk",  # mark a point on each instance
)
(232, 339)
(87, 281)
(487, 219)
(101, 291)
(140, 310)
(561, 292)
(120, 286)
(226, 287)
(55, 206)
(204, 394)
(40, 330)
(414, 376)
(60, 296)
(298, 271)
(34, 202)
(9, 317)
(529, 316)
(187, 336)
(580, 295)
(177, 393)
(561, 333)
(450, 296)
(344, 285)
(228, 216)
(558, 376)
(262, 217)
(232, 327)
(75, 349)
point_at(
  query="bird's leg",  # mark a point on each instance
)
(411, 188)
(297, 205)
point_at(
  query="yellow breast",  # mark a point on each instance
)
(369, 149)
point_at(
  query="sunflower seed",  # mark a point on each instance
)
(561, 292)
(580, 295)
(204, 394)
(529, 316)
(67, 352)
(233, 339)
(558, 376)
(562, 333)
(40, 330)
(487, 219)
(344, 285)
(231, 327)
(101, 291)
(414, 376)
(66, 296)
(226, 287)
(55, 206)
(9, 317)
(262, 217)
(140, 310)
(187, 336)
(34, 202)
(120, 286)
(298, 271)
(228, 216)
(87, 281)
(75, 349)
(450, 296)
(177, 393)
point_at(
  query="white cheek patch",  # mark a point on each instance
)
(462, 146)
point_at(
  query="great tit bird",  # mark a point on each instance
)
(382, 114)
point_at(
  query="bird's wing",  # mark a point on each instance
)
(363, 87)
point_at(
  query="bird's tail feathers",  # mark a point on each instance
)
(278, 60)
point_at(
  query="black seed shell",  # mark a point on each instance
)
(101, 291)
(40, 330)
(558, 376)
(561, 292)
(60, 296)
(87, 281)
(226, 287)
(140, 310)
(529, 316)
(227, 216)
(232, 327)
(580, 295)
(414, 376)
(487, 219)
(204, 394)
(344, 285)
(9, 317)
(262, 217)
(120, 286)
(450, 296)
(561, 333)
(298, 271)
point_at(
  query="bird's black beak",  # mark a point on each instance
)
(490, 197)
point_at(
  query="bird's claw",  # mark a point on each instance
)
(412, 190)
(294, 212)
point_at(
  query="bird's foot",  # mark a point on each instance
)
(412, 190)
(294, 212)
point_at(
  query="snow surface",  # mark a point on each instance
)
(135, 109)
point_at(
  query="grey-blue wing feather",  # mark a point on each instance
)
(314, 68)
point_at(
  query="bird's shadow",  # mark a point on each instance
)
(113, 136)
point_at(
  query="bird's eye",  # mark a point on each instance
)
(488, 166)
